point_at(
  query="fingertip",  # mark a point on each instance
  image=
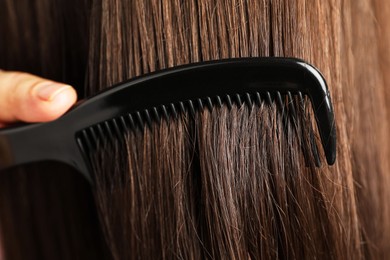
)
(28, 98)
(52, 100)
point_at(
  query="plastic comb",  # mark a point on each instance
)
(166, 93)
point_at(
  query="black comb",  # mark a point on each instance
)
(166, 93)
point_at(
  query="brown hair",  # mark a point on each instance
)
(237, 183)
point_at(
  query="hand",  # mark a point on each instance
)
(28, 98)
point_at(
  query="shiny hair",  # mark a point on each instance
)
(230, 183)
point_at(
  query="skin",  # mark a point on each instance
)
(28, 98)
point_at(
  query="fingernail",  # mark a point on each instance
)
(48, 91)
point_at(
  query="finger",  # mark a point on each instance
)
(28, 98)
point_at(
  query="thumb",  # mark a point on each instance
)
(28, 98)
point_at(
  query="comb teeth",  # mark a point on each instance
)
(98, 135)
(90, 137)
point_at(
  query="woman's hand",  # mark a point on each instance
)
(28, 98)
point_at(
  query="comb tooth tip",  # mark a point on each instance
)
(131, 121)
(268, 96)
(209, 104)
(173, 109)
(289, 97)
(279, 98)
(165, 112)
(87, 141)
(229, 102)
(182, 107)
(258, 99)
(93, 133)
(248, 100)
(200, 104)
(123, 123)
(219, 101)
(330, 156)
(156, 115)
(117, 128)
(101, 135)
(291, 103)
(148, 118)
(301, 99)
(108, 128)
(140, 120)
(238, 99)
(192, 108)
(94, 139)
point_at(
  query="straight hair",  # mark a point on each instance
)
(229, 183)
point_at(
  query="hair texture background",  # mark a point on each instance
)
(214, 187)
(46, 38)
(47, 212)
(330, 34)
